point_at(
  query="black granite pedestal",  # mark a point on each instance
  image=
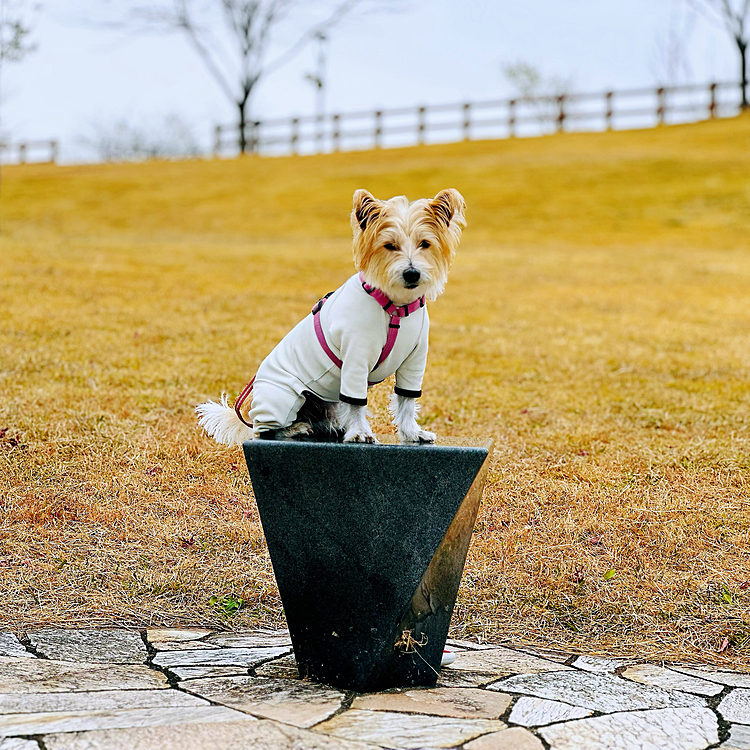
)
(368, 543)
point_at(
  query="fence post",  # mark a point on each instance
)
(255, 137)
(22, 153)
(661, 107)
(561, 113)
(421, 125)
(54, 151)
(712, 105)
(217, 141)
(319, 135)
(294, 136)
(608, 115)
(378, 128)
(337, 132)
(512, 118)
(467, 121)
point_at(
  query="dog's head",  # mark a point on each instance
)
(406, 249)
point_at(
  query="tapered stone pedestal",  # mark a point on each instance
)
(368, 543)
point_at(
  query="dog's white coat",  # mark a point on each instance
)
(356, 328)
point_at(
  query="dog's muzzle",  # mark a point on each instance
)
(411, 278)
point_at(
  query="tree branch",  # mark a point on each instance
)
(210, 63)
(722, 11)
(341, 10)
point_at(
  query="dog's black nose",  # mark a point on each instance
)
(411, 276)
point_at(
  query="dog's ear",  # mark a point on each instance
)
(365, 210)
(448, 205)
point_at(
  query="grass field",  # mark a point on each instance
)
(596, 324)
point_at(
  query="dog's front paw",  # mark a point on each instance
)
(415, 434)
(359, 437)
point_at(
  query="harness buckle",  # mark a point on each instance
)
(319, 304)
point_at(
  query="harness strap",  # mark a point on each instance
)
(321, 336)
(395, 311)
(390, 342)
(403, 311)
(246, 391)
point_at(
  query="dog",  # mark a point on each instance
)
(315, 381)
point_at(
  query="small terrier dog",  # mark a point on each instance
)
(315, 380)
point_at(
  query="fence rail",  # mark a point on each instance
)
(501, 118)
(28, 152)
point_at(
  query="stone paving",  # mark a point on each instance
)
(193, 689)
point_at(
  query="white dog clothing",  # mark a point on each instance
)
(355, 322)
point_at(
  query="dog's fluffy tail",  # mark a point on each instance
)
(222, 423)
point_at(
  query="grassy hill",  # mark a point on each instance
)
(676, 183)
(596, 323)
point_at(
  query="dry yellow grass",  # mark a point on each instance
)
(597, 324)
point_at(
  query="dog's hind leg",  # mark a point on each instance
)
(296, 429)
(316, 418)
(353, 422)
(320, 416)
(404, 412)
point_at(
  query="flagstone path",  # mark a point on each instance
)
(192, 689)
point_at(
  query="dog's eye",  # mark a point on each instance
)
(424, 244)
(390, 246)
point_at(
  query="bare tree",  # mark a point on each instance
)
(233, 38)
(124, 141)
(542, 94)
(14, 31)
(669, 63)
(735, 15)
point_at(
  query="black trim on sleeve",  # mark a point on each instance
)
(406, 393)
(352, 401)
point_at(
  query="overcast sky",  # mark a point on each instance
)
(430, 51)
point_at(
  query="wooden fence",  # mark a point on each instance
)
(28, 152)
(504, 118)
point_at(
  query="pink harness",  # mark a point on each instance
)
(395, 311)
(394, 324)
